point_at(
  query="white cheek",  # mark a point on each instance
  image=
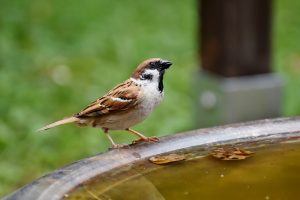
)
(154, 80)
(154, 73)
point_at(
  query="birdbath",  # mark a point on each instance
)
(181, 166)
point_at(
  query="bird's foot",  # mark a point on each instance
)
(146, 139)
(119, 146)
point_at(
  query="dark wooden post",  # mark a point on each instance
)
(236, 83)
(235, 36)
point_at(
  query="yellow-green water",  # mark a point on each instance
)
(272, 173)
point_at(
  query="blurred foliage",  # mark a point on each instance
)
(286, 51)
(57, 56)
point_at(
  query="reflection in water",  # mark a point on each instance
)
(137, 188)
(272, 173)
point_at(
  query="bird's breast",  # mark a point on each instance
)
(151, 98)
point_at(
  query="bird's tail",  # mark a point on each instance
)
(58, 123)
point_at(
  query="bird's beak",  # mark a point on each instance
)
(165, 64)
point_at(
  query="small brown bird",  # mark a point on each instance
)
(127, 104)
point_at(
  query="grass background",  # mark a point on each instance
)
(57, 56)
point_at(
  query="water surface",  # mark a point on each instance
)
(272, 173)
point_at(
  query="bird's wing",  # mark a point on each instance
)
(122, 97)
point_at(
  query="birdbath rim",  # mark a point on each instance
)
(59, 182)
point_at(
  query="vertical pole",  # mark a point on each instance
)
(235, 37)
(236, 83)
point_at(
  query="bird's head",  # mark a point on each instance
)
(151, 71)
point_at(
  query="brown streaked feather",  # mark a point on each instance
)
(127, 91)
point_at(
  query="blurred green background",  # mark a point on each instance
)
(58, 56)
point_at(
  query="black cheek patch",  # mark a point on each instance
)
(147, 76)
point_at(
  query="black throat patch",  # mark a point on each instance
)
(160, 80)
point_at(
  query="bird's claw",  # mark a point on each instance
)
(118, 146)
(146, 139)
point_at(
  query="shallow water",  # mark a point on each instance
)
(273, 172)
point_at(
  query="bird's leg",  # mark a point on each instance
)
(142, 137)
(113, 144)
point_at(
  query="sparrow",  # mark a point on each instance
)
(127, 104)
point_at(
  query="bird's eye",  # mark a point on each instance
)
(147, 76)
(152, 65)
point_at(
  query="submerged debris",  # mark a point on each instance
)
(231, 153)
(165, 159)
